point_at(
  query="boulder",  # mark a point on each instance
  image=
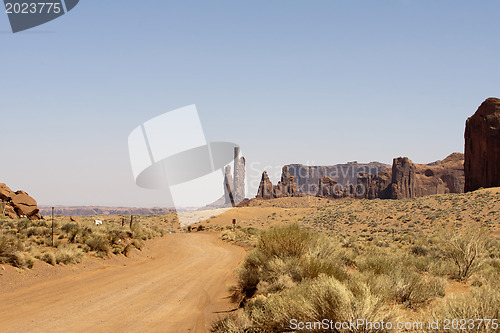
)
(6, 194)
(19, 204)
(10, 212)
(482, 146)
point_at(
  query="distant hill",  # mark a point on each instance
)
(100, 210)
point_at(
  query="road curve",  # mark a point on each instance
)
(179, 287)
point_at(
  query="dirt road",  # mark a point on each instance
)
(178, 284)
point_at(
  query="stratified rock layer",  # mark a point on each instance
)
(408, 180)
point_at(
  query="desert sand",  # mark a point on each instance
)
(177, 284)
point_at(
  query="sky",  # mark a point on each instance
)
(314, 82)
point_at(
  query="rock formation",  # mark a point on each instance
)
(375, 186)
(328, 187)
(18, 204)
(403, 178)
(286, 187)
(415, 180)
(440, 177)
(234, 189)
(308, 177)
(265, 188)
(239, 177)
(228, 186)
(482, 146)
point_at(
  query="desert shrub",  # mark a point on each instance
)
(37, 231)
(283, 257)
(466, 250)
(419, 250)
(292, 240)
(312, 300)
(49, 258)
(397, 279)
(10, 246)
(117, 249)
(240, 235)
(68, 254)
(411, 289)
(22, 260)
(138, 232)
(481, 303)
(68, 227)
(378, 264)
(127, 250)
(137, 244)
(98, 243)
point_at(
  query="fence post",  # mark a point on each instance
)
(52, 226)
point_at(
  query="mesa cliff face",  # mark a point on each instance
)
(404, 180)
(446, 176)
(308, 177)
(482, 146)
(18, 204)
(409, 180)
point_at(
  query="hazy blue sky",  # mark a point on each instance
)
(318, 82)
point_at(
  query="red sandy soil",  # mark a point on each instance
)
(178, 283)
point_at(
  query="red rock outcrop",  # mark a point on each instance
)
(440, 177)
(328, 187)
(415, 180)
(286, 187)
(18, 204)
(403, 178)
(308, 176)
(265, 188)
(375, 186)
(482, 146)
